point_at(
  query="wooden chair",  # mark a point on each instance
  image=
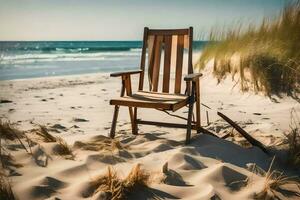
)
(172, 42)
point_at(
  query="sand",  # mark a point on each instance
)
(76, 108)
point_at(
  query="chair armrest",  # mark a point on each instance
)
(116, 74)
(192, 77)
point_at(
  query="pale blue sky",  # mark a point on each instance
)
(121, 19)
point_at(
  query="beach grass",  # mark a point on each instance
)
(63, 149)
(264, 58)
(9, 132)
(5, 188)
(275, 183)
(118, 188)
(44, 133)
(293, 140)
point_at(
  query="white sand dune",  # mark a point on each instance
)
(208, 168)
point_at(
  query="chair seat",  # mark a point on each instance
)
(158, 100)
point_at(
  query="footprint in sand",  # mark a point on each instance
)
(5, 101)
(11, 110)
(80, 120)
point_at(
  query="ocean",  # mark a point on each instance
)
(21, 60)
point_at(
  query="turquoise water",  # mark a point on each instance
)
(19, 60)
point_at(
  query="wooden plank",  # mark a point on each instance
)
(172, 125)
(151, 47)
(190, 54)
(168, 31)
(165, 124)
(167, 63)
(248, 137)
(160, 96)
(179, 60)
(125, 73)
(143, 59)
(186, 41)
(156, 65)
(125, 101)
(149, 103)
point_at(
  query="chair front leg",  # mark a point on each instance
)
(135, 125)
(132, 113)
(114, 122)
(116, 112)
(190, 114)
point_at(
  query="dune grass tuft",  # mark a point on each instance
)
(8, 132)
(276, 183)
(266, 58)
(5, 188)
(44, 133)
(118, 188)
(293, 139)
(63, 149)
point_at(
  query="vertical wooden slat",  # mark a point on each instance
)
(186, 41)
(151, 47)
(167, 63)
(143, 58)
(179, 59)
(190, 54)
(156, 66)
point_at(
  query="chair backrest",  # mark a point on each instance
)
(172, 42)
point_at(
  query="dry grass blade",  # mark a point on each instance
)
(63, 149)
(275, 184)
(117, 188)
(136, 177)
(43, 132)
(5, 189)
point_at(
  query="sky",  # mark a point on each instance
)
(35, 20)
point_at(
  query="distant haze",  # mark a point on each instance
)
(120, 19)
